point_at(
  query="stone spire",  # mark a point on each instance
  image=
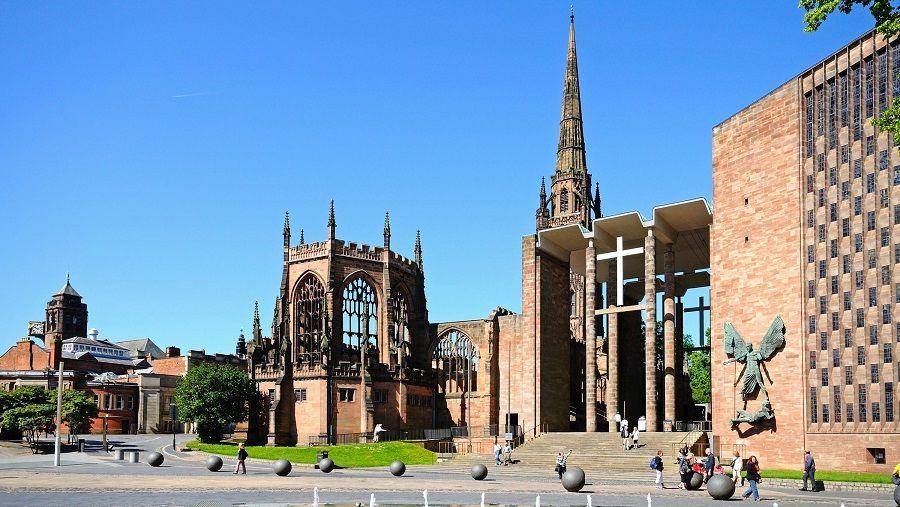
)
(570, 151)
(302, 239)
(543, 214)
(287, 229)
(331, 223)
(418, 250)
(387, 230)
(597, 210)
(257, 330)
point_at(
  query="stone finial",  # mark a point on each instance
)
(387, 229)
(331, 223)
(287, 229)
(418, 249)
(302, 239)
(257, 330)
(597, 210)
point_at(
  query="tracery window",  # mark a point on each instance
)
(360, 317)
(455, 360)
(564, 201)
(309, 319)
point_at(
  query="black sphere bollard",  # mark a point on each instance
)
(720, 487)
(573, 479)
(479, 472)
(694, 482)
(282, 467)
(326, 465)
(154, 459)
(398, 468)
(213, 463)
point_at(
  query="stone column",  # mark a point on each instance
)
(650, 328)
(590, 339)
(612, 350)
(669, 333)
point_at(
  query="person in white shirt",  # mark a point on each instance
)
(378, 429)
(497, 450)
(737, 465)
(625, 434)
(635, 436)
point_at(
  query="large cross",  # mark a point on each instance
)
(619, 255)
(700, 308)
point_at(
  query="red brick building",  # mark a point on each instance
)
(807, 196)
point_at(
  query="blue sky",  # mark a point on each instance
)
(152, 149)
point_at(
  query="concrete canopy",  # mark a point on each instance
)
(683, 224)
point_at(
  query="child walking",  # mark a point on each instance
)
(241, 456)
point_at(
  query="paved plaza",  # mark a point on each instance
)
(94, 478)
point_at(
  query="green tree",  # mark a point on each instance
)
(887, 23)
(78, 409)
(213, 396)
(698, 369)
(30, 410)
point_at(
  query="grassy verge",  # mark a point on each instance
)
(360, 455)
(829, 476)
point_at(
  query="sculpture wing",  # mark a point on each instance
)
(734, 344)
(773, 340)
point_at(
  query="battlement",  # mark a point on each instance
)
(309, 251)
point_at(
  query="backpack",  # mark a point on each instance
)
(653, 463)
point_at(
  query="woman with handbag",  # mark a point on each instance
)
(754, 478)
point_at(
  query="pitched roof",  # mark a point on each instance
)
(142, 347)
(96, 343)
(67, 290)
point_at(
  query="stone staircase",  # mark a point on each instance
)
(596, 453)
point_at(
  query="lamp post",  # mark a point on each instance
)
(173, 410)
(59, 396)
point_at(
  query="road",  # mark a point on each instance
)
(95, 478)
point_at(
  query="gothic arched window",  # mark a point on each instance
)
(455, 360)
(564, 201)
(360, 315)
(400, 342)
(309, 319)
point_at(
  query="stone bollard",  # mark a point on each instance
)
(80, 445)
(120, 454)
(134, 457)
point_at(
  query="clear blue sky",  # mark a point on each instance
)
(152, 149)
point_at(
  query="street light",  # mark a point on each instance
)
(59, 396)
(173, 410)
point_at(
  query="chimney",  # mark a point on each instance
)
(173, 351)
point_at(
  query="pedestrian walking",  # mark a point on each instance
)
(635, 437)
(809, 471)
(896, 477)
(709, 464)
(561, 460)
(657, 464)
(507, 454)
(754, 478)
(625, 434)
(497, 450)
(241, 456)
(685, 470)
(737, 465)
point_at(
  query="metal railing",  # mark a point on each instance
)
(693, 426)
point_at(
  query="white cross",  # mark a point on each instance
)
(619, 256)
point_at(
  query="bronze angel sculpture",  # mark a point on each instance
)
(743, 352)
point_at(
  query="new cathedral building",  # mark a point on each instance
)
(806, 194)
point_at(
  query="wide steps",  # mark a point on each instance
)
(593, 452)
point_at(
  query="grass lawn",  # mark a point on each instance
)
(829, 476)
(359, 455)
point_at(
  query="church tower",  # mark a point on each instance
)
(67, 318)
(570, 200)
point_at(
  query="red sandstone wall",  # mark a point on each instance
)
(24, 356)
(756, 267)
